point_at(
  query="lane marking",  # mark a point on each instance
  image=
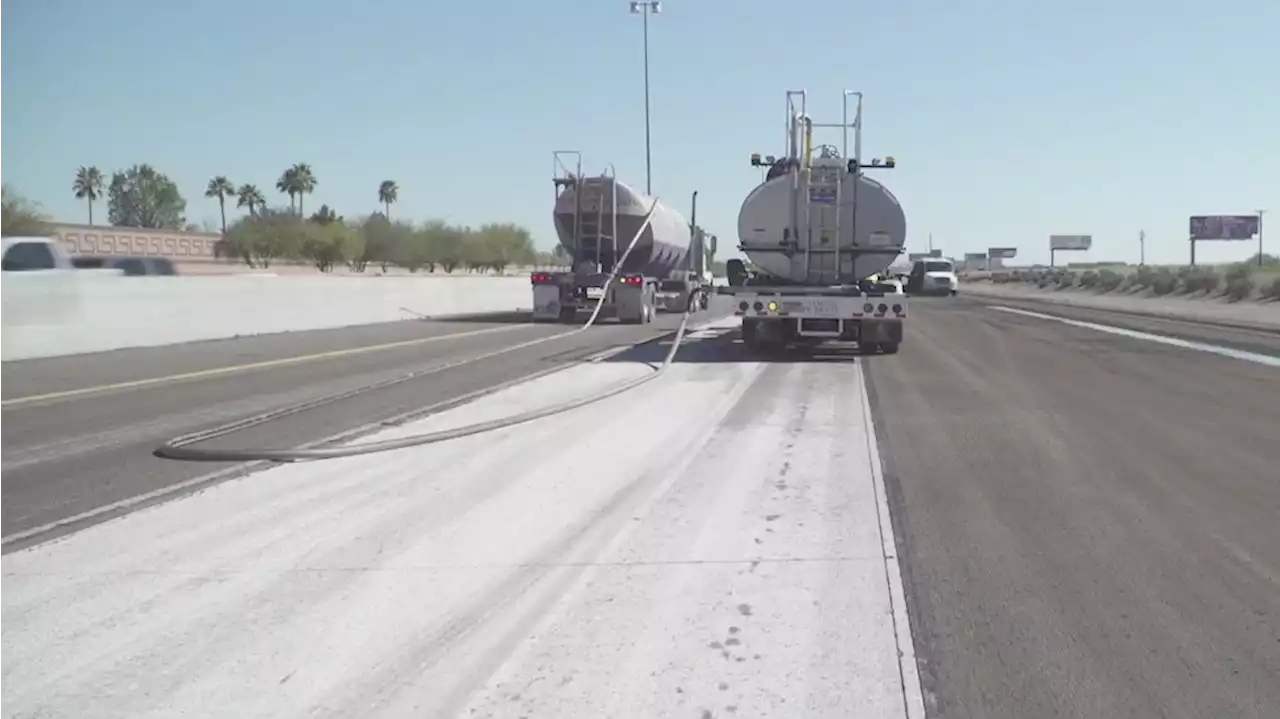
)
(124, 507)
(250, 366)
(908, 672)
(1255, 357)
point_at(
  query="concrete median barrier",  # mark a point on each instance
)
(64, 313)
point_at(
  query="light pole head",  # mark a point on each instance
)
(641, 6)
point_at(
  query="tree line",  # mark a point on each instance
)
(327, 240)
(141, 196)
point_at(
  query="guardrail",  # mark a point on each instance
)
(48, 314)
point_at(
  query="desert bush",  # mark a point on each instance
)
(1271, 290)
(1164, 282)
(1110, 280)
(1239, 287)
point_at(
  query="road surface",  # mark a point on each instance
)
(74, 449)
(711, 545)
(1016, 516)
(1089, 521)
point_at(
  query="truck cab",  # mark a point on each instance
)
(933, 276)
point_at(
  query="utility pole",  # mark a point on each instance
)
(930, 243)
(1142, 247)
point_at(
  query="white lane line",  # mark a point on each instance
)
(912, 694)
(1256, 357)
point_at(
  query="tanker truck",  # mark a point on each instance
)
(819, 232)
(596, 219)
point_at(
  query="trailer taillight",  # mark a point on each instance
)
(868, 308)
(632, 280)
(897, 309)
(537, 277)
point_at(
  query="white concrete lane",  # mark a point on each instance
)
(713, 544)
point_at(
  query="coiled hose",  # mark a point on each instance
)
(181, 448)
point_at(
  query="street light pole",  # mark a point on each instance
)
(645, 8)
(1142, 248)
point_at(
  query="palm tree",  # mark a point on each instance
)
(288, 184)
(388, 192)
(250, 196)
(305, 180)
(88, 186)
(220, 187)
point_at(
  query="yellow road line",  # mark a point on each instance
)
(235, 369)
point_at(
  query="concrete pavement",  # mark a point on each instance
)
(713, 545)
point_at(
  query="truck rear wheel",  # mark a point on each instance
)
(750, 334)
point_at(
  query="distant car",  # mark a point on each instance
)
(933, 276)
(131, 266)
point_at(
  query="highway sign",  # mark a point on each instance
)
(1004, 253)
(1070, 242)
(975, 256)
(1224, 227)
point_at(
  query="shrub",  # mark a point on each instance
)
(1199, 279)
(1110, 280)
(1271, 290)
(1239, 287)
(1239, 271)
(1164, 282)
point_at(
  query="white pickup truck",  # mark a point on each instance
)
(30, 254)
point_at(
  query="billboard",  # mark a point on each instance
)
(1224, 227)
(1070, 242)
(975, 256)
(1006, 253)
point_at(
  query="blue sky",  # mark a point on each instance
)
(1009, 120)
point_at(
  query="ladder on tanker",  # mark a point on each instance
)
(821, 202)
(596, 244)
(591, 218)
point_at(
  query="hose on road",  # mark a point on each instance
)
(182, 448)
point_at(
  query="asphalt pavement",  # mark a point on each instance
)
(79, 431)
(1088, 522)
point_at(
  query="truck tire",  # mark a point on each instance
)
(750, 338)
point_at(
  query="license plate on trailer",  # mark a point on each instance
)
(810, 307)
(595, 293)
